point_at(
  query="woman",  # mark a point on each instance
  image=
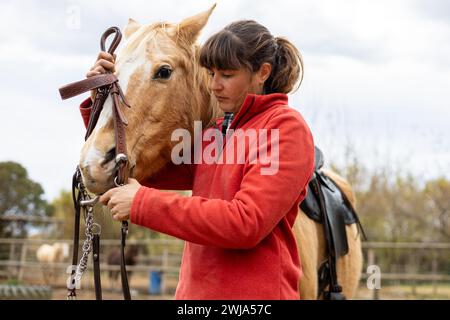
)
(238, 223)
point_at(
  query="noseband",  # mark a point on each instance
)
(105, 85)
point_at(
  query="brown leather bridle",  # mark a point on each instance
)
(105, 85)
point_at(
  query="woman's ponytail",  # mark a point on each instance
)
(287, 69)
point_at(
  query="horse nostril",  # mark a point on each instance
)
(110, 155)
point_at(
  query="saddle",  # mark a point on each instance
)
(326, 204)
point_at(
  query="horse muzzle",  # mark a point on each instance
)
(100, 171)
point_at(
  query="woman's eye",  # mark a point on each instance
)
(163, 73)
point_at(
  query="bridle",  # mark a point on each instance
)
(105, 85)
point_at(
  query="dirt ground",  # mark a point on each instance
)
(385, 293)
(112, 290)
(140, 285)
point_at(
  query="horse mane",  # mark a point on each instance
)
(205, 105)
(212, 111)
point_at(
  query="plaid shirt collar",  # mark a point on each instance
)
(227, 119)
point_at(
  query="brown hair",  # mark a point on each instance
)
(248, 44)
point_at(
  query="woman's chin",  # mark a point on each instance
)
(227, 107)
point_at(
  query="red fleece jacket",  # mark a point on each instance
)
(238, 223)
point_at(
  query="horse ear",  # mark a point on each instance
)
(131, 28)
(189, 29)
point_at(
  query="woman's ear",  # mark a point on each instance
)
(264, 72)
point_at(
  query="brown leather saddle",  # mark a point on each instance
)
(326, 204)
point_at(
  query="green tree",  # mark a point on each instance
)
(19, 197)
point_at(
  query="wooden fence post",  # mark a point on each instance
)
(23, 257)
(12, 253)
(414, 268)
(434, 269)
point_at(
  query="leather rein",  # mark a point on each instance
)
(105, 85)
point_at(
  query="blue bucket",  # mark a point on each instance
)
(155, 282)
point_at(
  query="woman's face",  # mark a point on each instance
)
(230, 87)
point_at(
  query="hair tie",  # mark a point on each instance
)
(277, 52)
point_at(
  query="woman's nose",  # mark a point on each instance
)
(215, 84)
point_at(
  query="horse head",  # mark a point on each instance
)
(162, 80)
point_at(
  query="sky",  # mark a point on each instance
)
(377, 75)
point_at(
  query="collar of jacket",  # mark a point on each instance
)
(253, 105)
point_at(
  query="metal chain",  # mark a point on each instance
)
(89, 225)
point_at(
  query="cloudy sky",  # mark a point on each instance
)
(377, 75)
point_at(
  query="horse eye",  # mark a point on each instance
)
(163, 73)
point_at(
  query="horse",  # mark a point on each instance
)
(113, 259)
(47, 255)
(158, 69)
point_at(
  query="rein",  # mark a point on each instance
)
(105, 85)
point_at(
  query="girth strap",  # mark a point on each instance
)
(335, 290)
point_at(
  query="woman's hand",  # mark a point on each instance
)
(120, 199)
(105, 63)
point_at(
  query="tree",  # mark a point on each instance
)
(19, 197)
(63, 209)
(437, 208)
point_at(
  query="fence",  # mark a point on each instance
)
(407, 263)
(18, 263)
(411, 263)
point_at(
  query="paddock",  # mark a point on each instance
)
(408, 271)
